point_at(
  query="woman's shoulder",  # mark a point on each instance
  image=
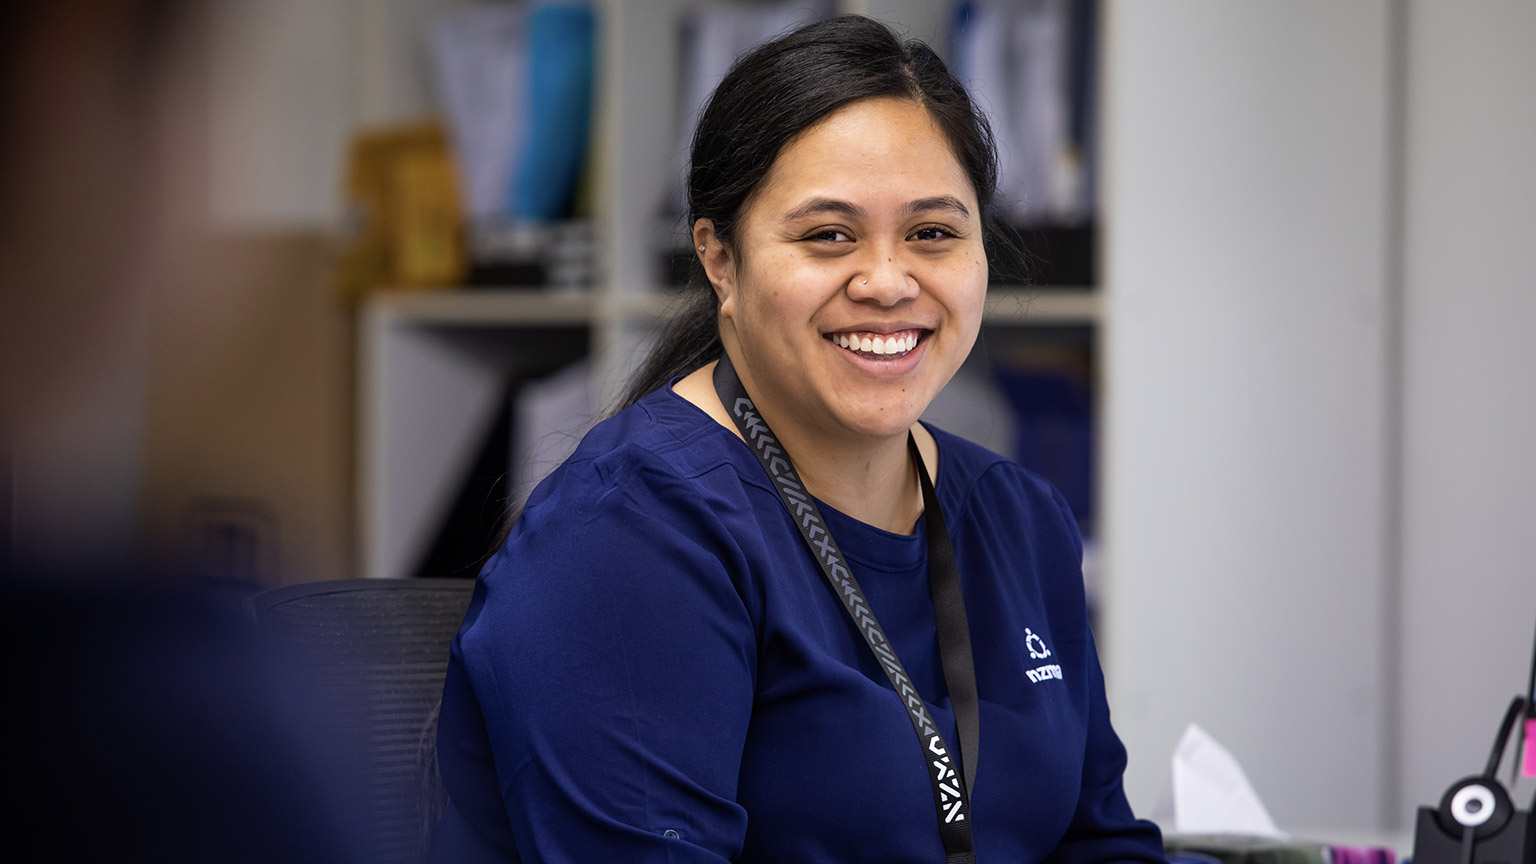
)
(648, 495)
(661, 448)
(1005, 512)
(968, 470)
(991, 492)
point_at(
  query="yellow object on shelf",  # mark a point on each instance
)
(402, 190)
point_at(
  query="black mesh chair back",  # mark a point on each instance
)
(370, 657)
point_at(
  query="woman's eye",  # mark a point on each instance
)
(830, 235)
(931, 232)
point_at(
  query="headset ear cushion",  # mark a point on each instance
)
(1479, 803)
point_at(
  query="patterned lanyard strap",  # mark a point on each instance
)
(951, 797)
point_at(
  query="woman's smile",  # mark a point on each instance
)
(892, 354)
(890, 346)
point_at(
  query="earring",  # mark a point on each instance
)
(701, 248)
(865, 282)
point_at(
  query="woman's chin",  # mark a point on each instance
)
(875, 422)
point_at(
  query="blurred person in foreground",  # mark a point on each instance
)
(142, 725)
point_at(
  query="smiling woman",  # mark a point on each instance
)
(764, 613)
(851, 295)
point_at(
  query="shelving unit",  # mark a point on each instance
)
(433, 365)
(489, 307)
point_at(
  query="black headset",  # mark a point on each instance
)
(1479, 806)
(1476, 822)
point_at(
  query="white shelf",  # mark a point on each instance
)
(1025, 307)
(531, 307)
(488, 307)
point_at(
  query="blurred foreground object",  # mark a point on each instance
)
(142, 724)
(91, 222)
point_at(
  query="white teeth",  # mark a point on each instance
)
(878, 345)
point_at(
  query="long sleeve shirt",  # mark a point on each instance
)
(653, 668)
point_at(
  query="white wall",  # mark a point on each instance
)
(1246, 392)
(291, 82)
(1469, 374)
(284, 95)
(1321, 392)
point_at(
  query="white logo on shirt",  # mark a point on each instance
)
(1044, 673)
(1038, 651)
(1030, 641)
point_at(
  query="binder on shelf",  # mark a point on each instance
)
(542, 416)
(563, 44)
(480, 55)
(714, 35)
(516, 83)
(1029, 64)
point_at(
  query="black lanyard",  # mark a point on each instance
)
(951, 798)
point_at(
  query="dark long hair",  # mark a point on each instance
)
(772, 94)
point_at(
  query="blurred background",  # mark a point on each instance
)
(318, 289)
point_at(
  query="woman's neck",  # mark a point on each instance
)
(871, 480)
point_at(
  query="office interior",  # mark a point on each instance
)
(1309, 334)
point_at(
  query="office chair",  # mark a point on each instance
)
(369, 657)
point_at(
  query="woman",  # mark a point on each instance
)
(710, 636)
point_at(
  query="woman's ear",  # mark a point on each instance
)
(719, 266)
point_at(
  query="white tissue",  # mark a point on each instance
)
(1206, 792)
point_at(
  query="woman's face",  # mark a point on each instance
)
(858, 276)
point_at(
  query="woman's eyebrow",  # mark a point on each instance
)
(834, 207)
(937, 202)
(824, 206)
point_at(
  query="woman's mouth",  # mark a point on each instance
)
(877, 346)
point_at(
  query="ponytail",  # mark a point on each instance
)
(689, 341)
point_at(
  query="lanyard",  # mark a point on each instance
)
(951, 798)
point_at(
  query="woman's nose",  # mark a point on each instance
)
(886, 281)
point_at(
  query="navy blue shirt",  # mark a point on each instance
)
(654, 669)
